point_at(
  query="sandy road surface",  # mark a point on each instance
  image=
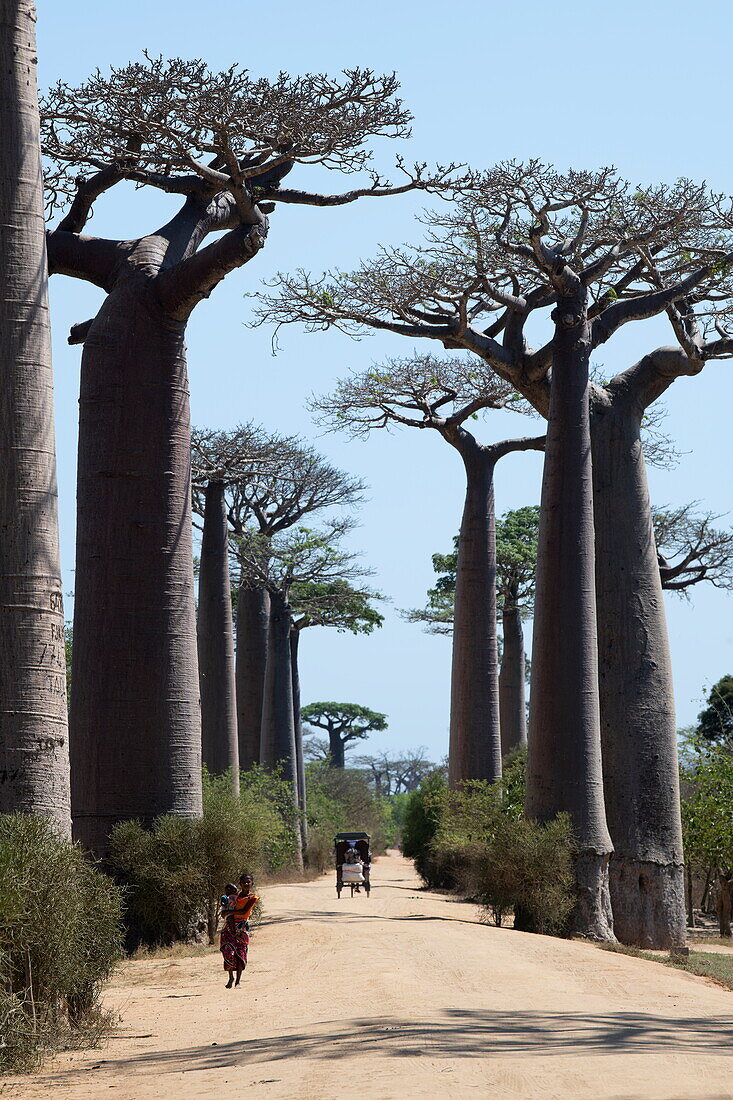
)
(404, 994)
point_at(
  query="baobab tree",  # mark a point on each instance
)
(221, 143)
(337, 604)
(442, 394)
(691, 550)
(219, 459)
(292, 483)
(296, 557)
(34, 744)
(590, 254)
(343, 722)
(397, 773)
(516, 557)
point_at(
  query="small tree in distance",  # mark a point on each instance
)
(343, 722)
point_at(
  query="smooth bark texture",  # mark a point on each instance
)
(638, 726)
(564, 772)
(299, 757)
(215, 633)
(475, 743)
(475, 737)
(34, 750)
(135, 719)
(512, 690)
(253, 625)
(277, 745)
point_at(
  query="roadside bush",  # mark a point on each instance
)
(421, 822)
(175, 872)
(525, 867)
(341, 799)
(60, 936)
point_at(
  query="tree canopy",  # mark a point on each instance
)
(516, 557)
(501, 254)
(179, 126)
(715, 722)
(343, 721)
(692, 549)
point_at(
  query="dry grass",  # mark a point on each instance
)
(716, 966)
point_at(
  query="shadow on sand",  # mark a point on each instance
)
(458, 1034)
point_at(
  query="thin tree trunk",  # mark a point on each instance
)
(299, 758)
(638, 727)
(512, 692)
(34, 746)
(135, 717)
(277, 745)
(215, 632)
(253, 624)
(689, 898)
(564, 772)
(725, 902)
(475, 742)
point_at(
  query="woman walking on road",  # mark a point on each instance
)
(234, 938)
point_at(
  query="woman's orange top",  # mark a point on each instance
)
(244, 905)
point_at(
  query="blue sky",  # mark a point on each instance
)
(643, 86)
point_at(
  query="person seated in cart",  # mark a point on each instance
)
(352, 869)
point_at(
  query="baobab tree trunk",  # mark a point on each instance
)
(135, 718)
(215, 632)
(512, 697)
(564, 771)
(475, 742)
(277, 745)
(638, 727)
(253, 624)
(337, 749)
(34, 749)
(299, 758)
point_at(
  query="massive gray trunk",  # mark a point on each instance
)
(277, 743)
(512, 692)
(475, 743)
(638, 728)
(564, 752)
(299, 757)
(34, 751)
(337, 749)
(253, 624)
(215, 631)
(135, 719)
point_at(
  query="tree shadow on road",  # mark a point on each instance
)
(460, 1033)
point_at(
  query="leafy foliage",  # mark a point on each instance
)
(715, 722)
(175, 872)
(516, 559)
(60, 937)
(338, 800)
(477, 840)
(707, 806)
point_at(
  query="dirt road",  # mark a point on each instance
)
(404, 994)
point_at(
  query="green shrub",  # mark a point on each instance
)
(526, 867)
(267, 803)
(421, 822)
(60, 933)
(175, 872)
(341, 799)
